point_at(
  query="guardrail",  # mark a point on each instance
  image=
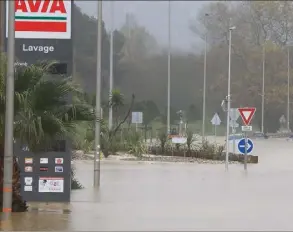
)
(278, 135)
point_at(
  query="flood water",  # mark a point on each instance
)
(167, 196)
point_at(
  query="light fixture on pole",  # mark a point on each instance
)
(111, 65)
(263, 88)
(169, 68)
(204, 85)
(228, 99)
(9, 116)
(97, 157)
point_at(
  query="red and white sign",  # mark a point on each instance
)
(246, 114)
(58, 160)
(41, 19)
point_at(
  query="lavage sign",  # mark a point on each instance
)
(41, 19)
(32, 48)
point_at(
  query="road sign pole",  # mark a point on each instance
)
(136, 125)
(215, 133)
(245, 154)
(98, 112)
(9, 118)
(233, 131)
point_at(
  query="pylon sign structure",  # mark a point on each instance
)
(247, 114)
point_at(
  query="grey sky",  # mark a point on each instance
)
(154, 16)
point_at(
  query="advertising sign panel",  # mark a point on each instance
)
(41, 19)
(43, 32)
(51, 185)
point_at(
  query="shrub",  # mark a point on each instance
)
(191, 139)
(75, 184)
(209, 150)
(163, 137)
(135, 144)
(84, 138)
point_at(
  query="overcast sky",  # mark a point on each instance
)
(154, 16)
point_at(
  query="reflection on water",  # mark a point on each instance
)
(179, 196)
(32, 221)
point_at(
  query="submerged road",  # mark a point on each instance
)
(138, 196)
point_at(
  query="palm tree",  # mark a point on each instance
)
(117, 102)
(47, 108)
(108, 135)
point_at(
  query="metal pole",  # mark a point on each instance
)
(2, 25)
(288, 93)
(204, 90)
(263, 90)
(111, 64)
(97, 160)
(169, 67)
(245, 154)
(215, 133)
(228, 102)
(9, 117)
(234, 140)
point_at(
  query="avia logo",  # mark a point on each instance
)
(43, 19)
(40, 6)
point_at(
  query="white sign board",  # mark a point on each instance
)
(50, 19)
(137, 117)
(28, 188)
(44, 160)
(216, 120)
(246, 128)
(28, 180)
(282, 119)
(234, 114)
(51, 185)
(179, 140)
(233, 124)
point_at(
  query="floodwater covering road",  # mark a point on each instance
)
(174, 196)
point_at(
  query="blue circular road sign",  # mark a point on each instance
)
(241, 146)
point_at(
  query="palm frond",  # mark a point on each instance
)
(46, 107)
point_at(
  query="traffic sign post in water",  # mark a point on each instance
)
(245, 146)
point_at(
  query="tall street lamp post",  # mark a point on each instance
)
(204, 86)
(288, 90)
(97, 158)
(169, 68)
(9, 117)
(111, 65)
(228, 99)
(263, 88)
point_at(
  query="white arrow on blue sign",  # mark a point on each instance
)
(241, 146)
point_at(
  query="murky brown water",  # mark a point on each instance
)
(137, 196)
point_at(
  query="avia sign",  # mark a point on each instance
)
(41, 19)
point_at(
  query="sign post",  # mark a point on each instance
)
(246, 115)
(216, 121)
(233, 125)
(234, 115)
(137, 118)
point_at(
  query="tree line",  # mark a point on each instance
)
(140, 65)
